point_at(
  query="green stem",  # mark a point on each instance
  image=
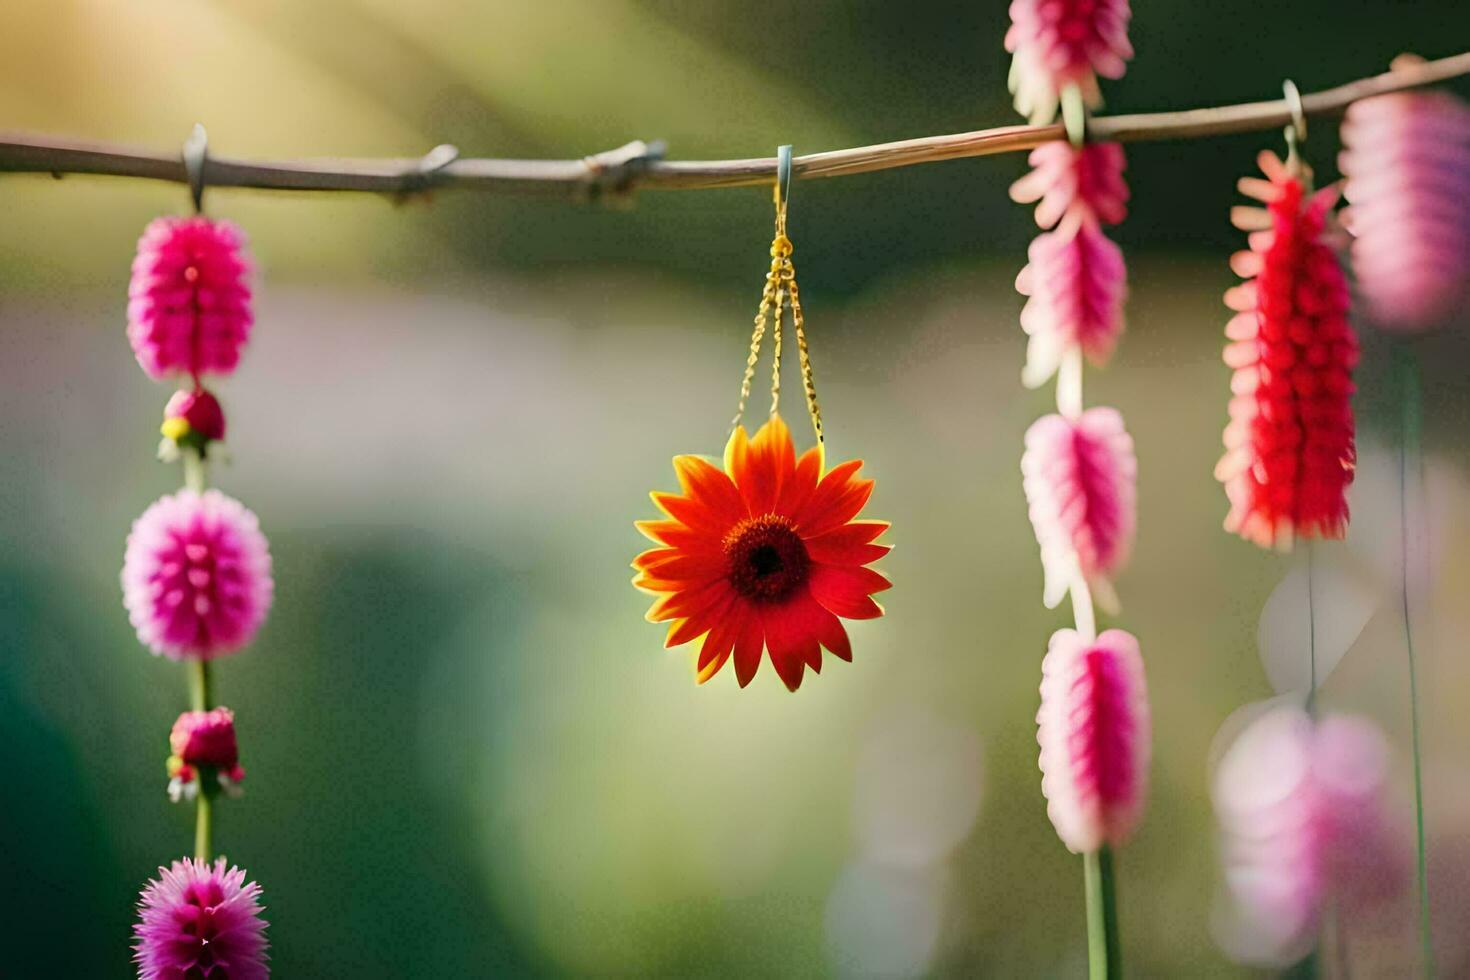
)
(1306, 968)
(1311, 630)
(196, 474)
(199, 685)
(1409, 447)
(203, 823)
(196, 470)
(1104, 953)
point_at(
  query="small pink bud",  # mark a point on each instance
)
(1094, 732)
(200, 413)
(206, 738)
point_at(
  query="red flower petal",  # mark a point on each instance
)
(799, 489)
(718, 644)
(849, 544)
(700, 621)
(710, 486)
(675, 534)
(694, 513)
(679, 605)
(792, 644)
(762, 465)
(832, 635)
(844, 590)
(837, 500)
(749, 643)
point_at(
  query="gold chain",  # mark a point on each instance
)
(780, 286)
(808, 380)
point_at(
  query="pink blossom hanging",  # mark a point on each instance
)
(188, 303)
(1094, 733)
(1056, 43)
(1079, 476)
(1406, 157)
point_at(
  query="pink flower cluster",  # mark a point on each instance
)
(1057, 43)
(196, 576)
(199, 920)
(1079, 476)
(188, 305)
(1076, 279)
(1094, 731)
(1406, 157)
(1303, 828)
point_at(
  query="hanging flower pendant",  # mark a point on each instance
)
(765, 554)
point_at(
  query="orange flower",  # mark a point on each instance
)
(763, 554)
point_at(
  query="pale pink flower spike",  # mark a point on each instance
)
(1056, 43)
(1303, 828)
(1077, 282)
(1094, 732)
(1406, 157)
(1079, 476)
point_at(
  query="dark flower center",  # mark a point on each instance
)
(765, 558)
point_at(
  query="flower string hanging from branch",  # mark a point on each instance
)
(764, 554)
(196, 579)
(1406, 160)
(1079, 469)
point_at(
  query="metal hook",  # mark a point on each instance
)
(1296, 131)
(196, 153)
(420, 176)
(783, 175)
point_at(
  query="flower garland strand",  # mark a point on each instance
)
(1290, 455)
(1079, 469)
(1406, 160)
(197, 584)
(764, 554)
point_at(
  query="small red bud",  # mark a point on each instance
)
(201, 412)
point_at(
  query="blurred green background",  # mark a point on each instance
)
(468, 754)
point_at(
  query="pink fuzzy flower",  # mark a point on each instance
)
(1087, 181)
(188, 304)
(1079, 477)
(1303, 827)
(1094, 731)
(199, 920)
(1406, 157)
(1076, 282)
(196, 577)
(1056, 43)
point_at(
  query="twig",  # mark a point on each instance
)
(640, 165)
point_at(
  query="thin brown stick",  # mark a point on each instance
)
(639, 165)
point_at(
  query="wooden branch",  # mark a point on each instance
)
(639, 165)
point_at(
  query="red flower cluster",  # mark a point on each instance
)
(1289, 446)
